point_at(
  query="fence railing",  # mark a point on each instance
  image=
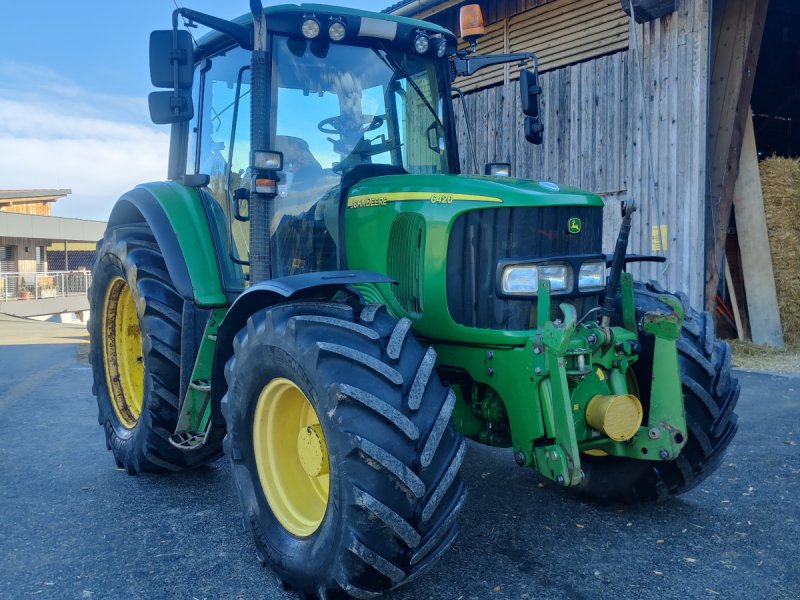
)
(48, 284)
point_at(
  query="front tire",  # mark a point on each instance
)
(710, 394)
(381, 481)
(135, 336)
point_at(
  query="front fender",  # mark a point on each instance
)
(268, 293)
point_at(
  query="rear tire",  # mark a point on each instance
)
(139, 417)
(710, 394)
(393, 454)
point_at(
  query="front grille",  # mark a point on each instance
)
(480, 238)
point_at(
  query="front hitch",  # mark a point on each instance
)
(560, 460)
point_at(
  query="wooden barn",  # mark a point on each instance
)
(656, 108)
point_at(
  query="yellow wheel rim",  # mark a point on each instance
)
(291, 457)
(122, 356)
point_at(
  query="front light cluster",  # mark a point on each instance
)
(523, 280)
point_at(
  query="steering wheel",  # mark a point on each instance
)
(338, 125)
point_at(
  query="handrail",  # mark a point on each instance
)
(32, 285)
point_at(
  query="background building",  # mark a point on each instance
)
(657, 108)
(45, 261)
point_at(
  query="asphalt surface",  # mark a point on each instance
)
(74, 526)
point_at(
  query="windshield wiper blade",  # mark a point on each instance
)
(395, 66)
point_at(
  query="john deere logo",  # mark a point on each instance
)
(574, 225)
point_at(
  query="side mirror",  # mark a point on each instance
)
(163, 54)
(171, 66)
(534, 131)
(471, 22)
(529, 92)
(241, 204)
(170, 107)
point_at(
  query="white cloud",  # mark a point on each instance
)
(54, 134)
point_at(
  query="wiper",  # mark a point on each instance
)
(395, 66)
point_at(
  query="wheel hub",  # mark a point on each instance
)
(291, 457)
(312, 451)
(122, 353)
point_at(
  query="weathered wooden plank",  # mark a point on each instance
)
(751, 225)
(738, 28)
(561, 32)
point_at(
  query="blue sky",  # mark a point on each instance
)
(73, 96)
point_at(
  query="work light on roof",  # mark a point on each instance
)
(440, 46)
(310, 28)
(422, 42)
(337, 31)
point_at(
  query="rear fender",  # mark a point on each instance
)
(176, 216)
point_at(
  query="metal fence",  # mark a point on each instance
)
(48, 284)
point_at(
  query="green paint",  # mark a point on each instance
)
(367, 248)
(532, 385)
(186, 215)
(195, 413)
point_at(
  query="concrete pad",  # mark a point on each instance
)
(16, 330)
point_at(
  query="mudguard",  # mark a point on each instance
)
(267, 293)
(176, 216)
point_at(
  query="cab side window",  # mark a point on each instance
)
(220, 141)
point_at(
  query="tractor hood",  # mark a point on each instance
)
(447, 189)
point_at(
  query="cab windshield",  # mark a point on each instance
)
(354, 105)
(340, 110)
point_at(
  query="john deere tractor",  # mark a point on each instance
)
(317, 292)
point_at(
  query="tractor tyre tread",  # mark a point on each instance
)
(398, 494)
(131, 252)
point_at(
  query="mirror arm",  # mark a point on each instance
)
(239, 33)
(466, 63)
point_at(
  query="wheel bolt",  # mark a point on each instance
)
(663, 453)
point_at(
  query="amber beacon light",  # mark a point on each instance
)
(471, 22)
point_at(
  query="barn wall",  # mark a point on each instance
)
(596, 138)
(561, 32)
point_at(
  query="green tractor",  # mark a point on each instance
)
(318, 293)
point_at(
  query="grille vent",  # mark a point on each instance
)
(404, 262)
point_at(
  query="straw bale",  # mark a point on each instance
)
(780, 181)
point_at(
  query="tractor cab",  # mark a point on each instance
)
(349, 95)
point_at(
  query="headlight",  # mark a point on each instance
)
(524, 279)
(592, 276)
(557, 275)
(520, 280)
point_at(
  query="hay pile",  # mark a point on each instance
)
(780, 181)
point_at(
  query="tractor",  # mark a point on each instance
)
(317, 292)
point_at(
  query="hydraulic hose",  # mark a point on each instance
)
(612, 287)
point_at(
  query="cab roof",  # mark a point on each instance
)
(360, 24)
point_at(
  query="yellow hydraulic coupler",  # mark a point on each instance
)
(618, 416)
